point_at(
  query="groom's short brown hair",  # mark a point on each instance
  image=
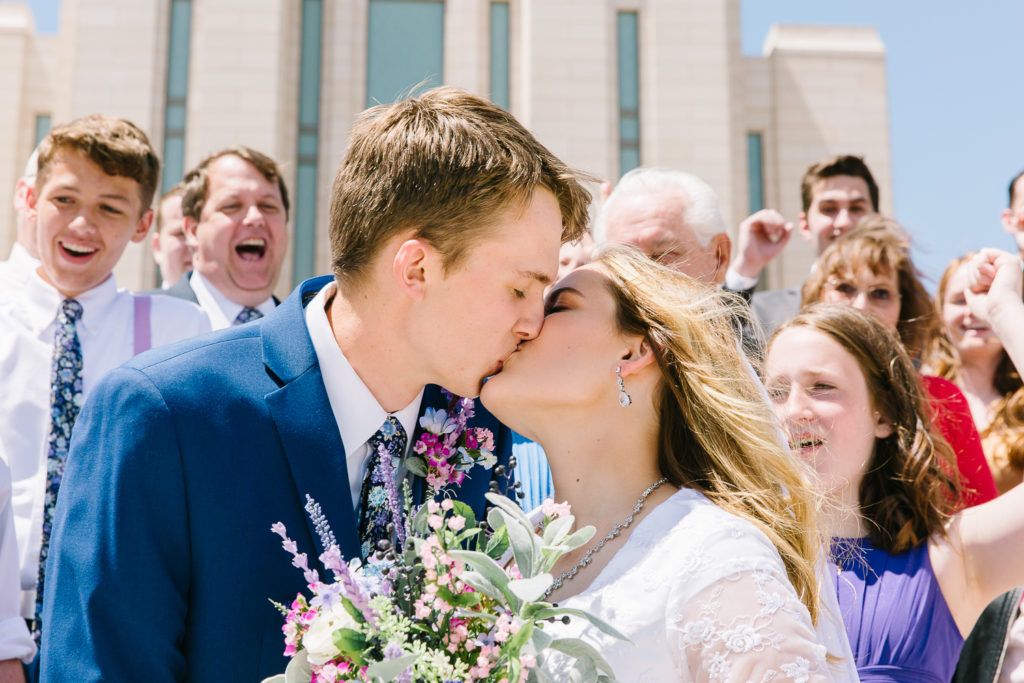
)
(445, 164)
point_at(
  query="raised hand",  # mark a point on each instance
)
(993, 283)
(761, 238)
(994, 294)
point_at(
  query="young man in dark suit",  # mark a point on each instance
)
(445, 222)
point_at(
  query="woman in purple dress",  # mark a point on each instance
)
(913, 577)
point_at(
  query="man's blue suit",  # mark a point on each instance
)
(162, 562)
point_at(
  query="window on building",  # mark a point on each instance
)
(406, 48)
(500, 54)
(629, 91)
(43, 123)
(305, 214)
(755, 171)
(177, 93)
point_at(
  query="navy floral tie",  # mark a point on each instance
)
(247, 314)
(65, 402)
(379, 498)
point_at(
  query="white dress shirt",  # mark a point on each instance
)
(222, 310)
(106, 333)
(359, 415)
(15, 641)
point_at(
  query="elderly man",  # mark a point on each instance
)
(236, 224)
(672, 217)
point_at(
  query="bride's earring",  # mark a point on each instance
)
(624, 399)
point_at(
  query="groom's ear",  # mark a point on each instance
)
(637, 356)
(410, 266)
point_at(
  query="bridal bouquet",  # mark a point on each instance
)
(451, 606)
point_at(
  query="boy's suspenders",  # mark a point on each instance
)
(143, 337)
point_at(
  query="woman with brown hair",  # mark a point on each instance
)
(870, 268)
(707, 548)
(967, 352)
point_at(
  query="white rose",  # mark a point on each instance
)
(318, 641)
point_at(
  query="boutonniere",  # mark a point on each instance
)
(448, 447)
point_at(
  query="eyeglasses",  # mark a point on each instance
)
(876, 294)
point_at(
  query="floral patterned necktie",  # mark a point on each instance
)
(247, 314)
(65, 402)
(378, 500)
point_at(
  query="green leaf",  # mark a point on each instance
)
(490, 570)
(574, 647)
(578, 538)
(494, 518)
(525, 547)
(531, 589)
(353, 611)
(540, 640)
(471, 614)
(416, 465)
(498, 543)
(510, 508)
(558, 530)
(458, 599)
(519, 638)
(350, 642)
(600, 624)
(460, 508)
(298, 670)
(390, 669)
(419, 522)
(480, 583)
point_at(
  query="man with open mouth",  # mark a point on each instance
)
(235, 205)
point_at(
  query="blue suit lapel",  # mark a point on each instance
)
(303, 417)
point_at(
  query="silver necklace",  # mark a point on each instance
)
(570, 574)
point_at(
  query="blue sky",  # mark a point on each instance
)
(956, 107)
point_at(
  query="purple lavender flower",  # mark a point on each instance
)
(349, 587)
(298, 559)
(323, 528)
(388, 472)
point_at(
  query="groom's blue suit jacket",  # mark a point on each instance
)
(162, 563)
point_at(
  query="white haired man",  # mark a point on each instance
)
(671, 216)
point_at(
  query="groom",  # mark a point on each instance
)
(445, 222)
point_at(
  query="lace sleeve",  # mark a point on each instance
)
(747, 626)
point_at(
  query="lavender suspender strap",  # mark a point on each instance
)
(142, 338)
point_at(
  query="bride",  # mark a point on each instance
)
(658, 435)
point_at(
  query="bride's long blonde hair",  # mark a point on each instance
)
(718, 434)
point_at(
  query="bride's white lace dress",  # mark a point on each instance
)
(704, 596)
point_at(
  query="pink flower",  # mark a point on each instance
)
(447, 504)
(554, 510)
(457, 523)
(486, 438)
(435, 522)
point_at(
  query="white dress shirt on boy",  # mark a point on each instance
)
(106, 333)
